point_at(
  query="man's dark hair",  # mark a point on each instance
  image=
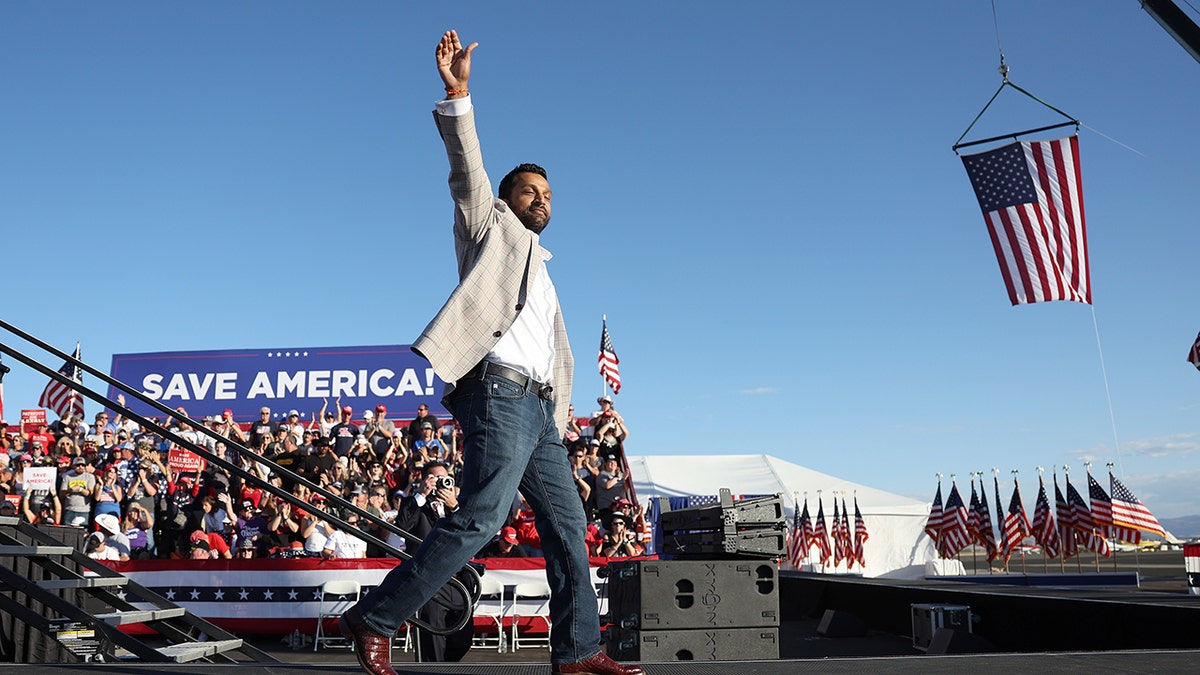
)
(506, 182)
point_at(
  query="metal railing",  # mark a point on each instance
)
(467, 586)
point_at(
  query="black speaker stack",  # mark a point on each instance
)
(716, 599)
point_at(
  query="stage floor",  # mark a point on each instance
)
(1089, 662)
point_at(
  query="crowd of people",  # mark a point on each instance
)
(122, 483)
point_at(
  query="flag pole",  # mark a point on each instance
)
(1087, 468)
(999, 511)
(1016, 486)
(603, 380)
(974, 544)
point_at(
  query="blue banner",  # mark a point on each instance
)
(244, 380)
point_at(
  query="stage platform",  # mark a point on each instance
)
(1089, 662)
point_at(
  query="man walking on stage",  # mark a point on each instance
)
(501, 343)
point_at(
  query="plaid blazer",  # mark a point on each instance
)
(496, 265)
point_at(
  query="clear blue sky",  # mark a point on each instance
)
(761, 196)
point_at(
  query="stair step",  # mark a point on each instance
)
(84, 582)
(190, 651)
(16, 550)
(10, 520)
(141, 615)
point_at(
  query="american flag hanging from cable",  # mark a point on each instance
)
(1102, 512)
(61, 398)
(1032, 201)
(1129, 511)
(609, 361)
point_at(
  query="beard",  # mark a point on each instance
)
(534, 221)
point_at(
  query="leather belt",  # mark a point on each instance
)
(518, 378)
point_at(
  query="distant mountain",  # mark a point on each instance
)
(1186, 528)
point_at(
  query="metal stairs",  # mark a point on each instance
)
(84, 604)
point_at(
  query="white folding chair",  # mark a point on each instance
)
(530, 600)
(491, 605)
(337, 596)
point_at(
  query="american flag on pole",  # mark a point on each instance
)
(987, 536)
(839, 547)
(801, 537)
(61, 398)
(954, 536)
(821, 535)
(609, 360)
(1130, 512)
(847, 537)
(1194, 353)
(860, 535)
(1085, 524)
(1066, 523)
(973, 528)
(1016, 524)
(1043, 523)
(933, 526)
(1031, 196)
(1102, 515)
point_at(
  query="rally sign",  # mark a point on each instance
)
(30, 419)
(40, 478)
(305, 379)
(180, 461)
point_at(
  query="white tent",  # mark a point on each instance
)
(897, 547)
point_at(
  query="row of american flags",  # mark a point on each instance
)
(835, 544)
(1071, 525)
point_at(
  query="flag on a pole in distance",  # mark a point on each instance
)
(800, 539)
(1066, 523)
(1102, 512)
(973, 514)
(1085, 525)
(1016, 524)
(954, 525)
(1031, 196)
(987, 536)
(1194, 353)
(839, 549)
(609, 361)
(61, 398)
(1129, 511)
(821, 535)
(847, 537)
(1000, 547)
(933, 526)
(1043, 523)
(860, 535)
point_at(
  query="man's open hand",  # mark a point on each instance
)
(454, 63)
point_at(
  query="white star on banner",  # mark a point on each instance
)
(219, 595)
(317, 594)
(269, 595)
(292, 594)
(170, 594)
(243, 594)
(195, 594)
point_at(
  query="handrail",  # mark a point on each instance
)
(470, 592)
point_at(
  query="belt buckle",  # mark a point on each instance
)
(546, 392)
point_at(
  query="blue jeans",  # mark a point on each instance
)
(510, 440)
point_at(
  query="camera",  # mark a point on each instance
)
(445, 483)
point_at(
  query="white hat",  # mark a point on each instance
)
(109, 523)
